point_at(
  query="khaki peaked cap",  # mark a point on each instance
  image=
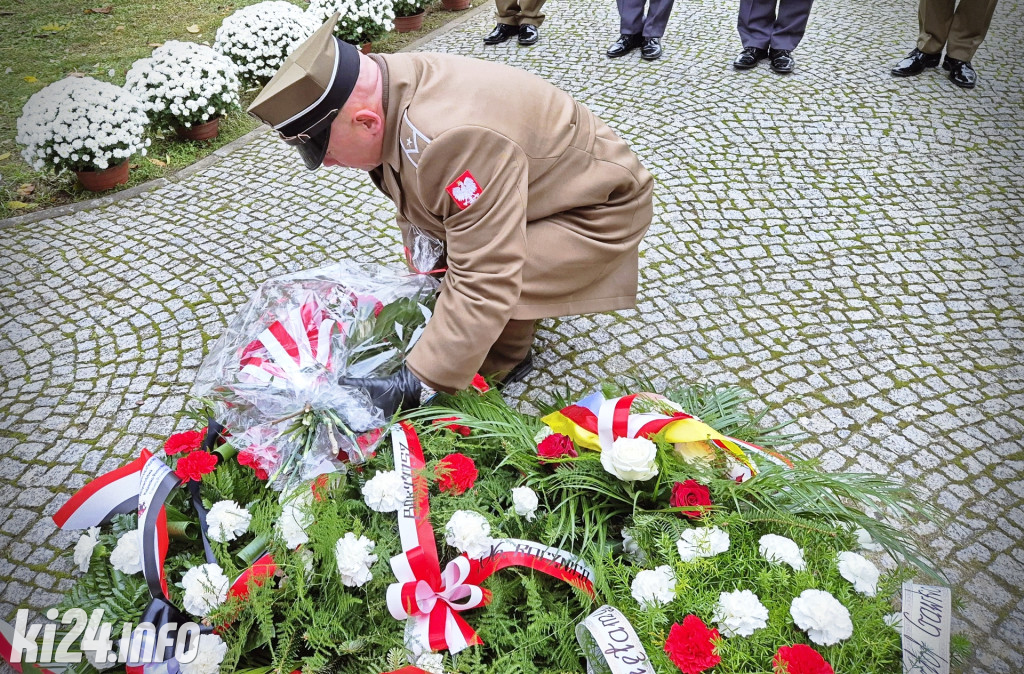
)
(316, 79)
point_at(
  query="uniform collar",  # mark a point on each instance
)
(397, 85)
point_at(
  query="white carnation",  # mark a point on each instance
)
(782, 550)
(739, 613)
(631, 459)
(702, 542)
(127, 556)
(632, 549)
(524, 502)
(825, 620)
(433, 663)
(385, 492)
(859, 571)
(654, 587)
(354, 557)
(469, 532)
(212, 650)
(206, 588)
(87, 542)
(226, 521)
(865, 541)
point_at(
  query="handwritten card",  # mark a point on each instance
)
(926, 618)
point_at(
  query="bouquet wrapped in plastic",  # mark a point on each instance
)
(272, 377)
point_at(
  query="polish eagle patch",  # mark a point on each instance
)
(464, 190)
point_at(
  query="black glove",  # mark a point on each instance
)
(401, 389)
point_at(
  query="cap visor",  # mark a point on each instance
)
(314, 150)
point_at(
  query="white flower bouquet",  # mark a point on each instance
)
(258, 38)
(81, 124)
(184, 83)
(361, 20)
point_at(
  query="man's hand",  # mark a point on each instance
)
(399, 390)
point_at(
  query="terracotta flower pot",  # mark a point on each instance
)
(408, 24)
(204, 131)
(101, 180)
(366, 48)
(455, 5)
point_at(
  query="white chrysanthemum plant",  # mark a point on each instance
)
(361, 21)
(81, 124)
(184, 84)
(258, 38)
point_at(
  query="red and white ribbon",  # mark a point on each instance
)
(291, 350)
(6, 649)
(431, 599)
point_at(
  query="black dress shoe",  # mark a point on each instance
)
(528, 34)
(501, 32)
(781, 60)
(517, 373)
(914, 63)
(624, 45)
(749, 57)
(651, 49)
(961, 73)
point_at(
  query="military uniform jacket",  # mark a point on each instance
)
(541, 206)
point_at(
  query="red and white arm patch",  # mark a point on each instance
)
(464, 190)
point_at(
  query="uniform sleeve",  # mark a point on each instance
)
(475, 180)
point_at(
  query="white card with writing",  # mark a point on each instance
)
(926, 629)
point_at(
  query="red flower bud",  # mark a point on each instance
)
(690, 493)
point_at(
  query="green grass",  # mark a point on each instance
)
(47, 40)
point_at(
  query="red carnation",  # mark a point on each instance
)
(192, 467)
(184, 442)
(556, 446)
(456, 473)
(464, 431)
(800, 659)
(690, 493)
(480, 384)
(691, 646)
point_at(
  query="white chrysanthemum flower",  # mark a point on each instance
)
(431, 662)
(64, 118)
(385, 492)
(211, 652)
(782, 550)
(865, 541)
(822, 616)
(226, 521)
(258, 38)
(354, 557)
(206, 588)
(654, 587)
(87, 542)
(739, 613)
(525, 502)
(127, 554)
(859, 571)
(632, 549)
(469, 532)
(702, 542)
(631, 459)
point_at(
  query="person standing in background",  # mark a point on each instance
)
(771, 29)
(959, 28)
(517, 17)
(637, 30)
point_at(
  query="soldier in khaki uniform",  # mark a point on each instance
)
(541, 206)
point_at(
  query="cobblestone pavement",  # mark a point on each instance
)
(845, 244)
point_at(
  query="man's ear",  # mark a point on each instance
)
(369, 120)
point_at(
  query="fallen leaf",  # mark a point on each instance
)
(17, 205)
(26, 189)
(157, 162)
(118, 27)
(30, 79)
(109, 9)
(53, 27)
(194, 28)
(155, 44)
(5, 155)
(133, 166)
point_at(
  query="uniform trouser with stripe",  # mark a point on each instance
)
(959, 27)
(760, 25)
(519, 12)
